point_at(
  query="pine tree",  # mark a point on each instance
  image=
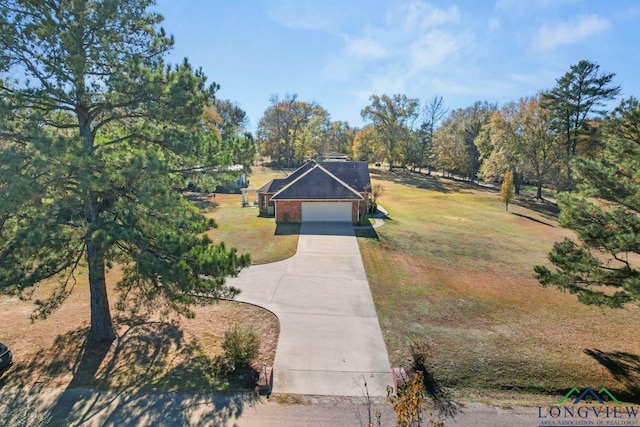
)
(578, 95)
(602, 267)
(97, 136)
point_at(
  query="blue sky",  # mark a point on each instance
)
(339, 53)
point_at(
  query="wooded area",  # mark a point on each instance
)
(536, 137)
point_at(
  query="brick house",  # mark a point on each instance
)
(318, 191)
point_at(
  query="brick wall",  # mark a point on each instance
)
(288, 211)
(354, 212)
(363, 211)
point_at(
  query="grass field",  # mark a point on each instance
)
(244, 229)
(453, 267)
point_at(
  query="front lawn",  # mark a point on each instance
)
(158, 353)
(243, 229)
(452, 266)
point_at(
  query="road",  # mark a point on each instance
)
(92, 408)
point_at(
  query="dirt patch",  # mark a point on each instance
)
(211, 322)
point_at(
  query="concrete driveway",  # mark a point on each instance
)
(330, 340)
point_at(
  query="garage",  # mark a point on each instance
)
(326, 212)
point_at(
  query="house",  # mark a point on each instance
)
(318, 191)
(332, 157)
(232, 177)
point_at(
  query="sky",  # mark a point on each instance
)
(340, 53)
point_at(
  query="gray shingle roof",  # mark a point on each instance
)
(354, 174)
(317, 184)
(277, 184)
(272, 186)
(322, 181)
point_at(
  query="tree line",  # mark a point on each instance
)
(535, 137)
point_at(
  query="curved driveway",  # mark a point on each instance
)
(330, 340)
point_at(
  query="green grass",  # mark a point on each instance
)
(243, 228)
(452, 266)
(547, 193)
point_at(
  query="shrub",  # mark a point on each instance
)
(240, 346)
(420, 349)
(409, 401)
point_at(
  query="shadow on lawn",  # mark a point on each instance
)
(414, 179)
(203, 201)
(150, 375)
(441, 398)
(284, 229)
(366, 231)
(547, 209)
(625, 368)
(532, 219)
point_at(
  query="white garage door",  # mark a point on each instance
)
(326, 211)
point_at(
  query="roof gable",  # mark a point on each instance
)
(353, 175)
(317, 184)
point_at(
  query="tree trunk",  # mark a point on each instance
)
(539, 190)
(569, 182)
(101, 325)
(392, 153)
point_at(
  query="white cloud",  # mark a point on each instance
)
(417, 15)
(363, 48)
(534, 79)
(525, 7)
(574, 31)
(389, 84)
(413, 38)
(303, 16)
(433, 48)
